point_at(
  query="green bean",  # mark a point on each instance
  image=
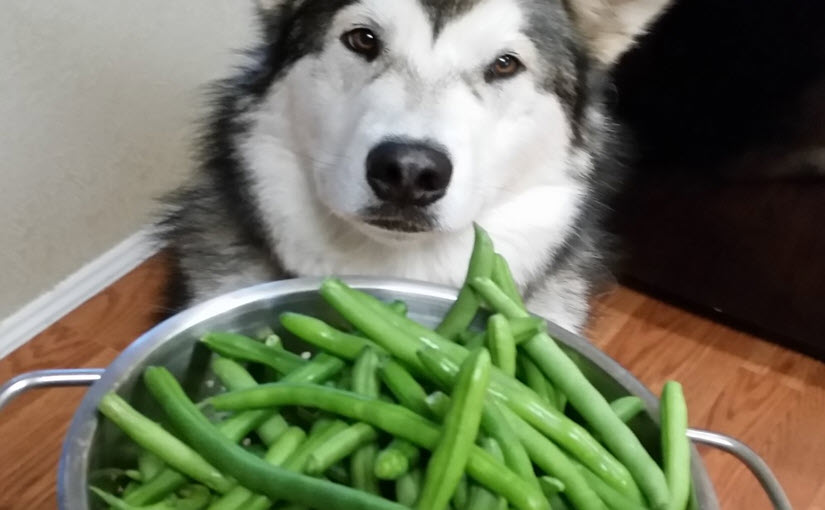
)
(461, 424)
(252, 472)
(550, 485)
(157, 440)
(371, 316)
(611, 497)
(498, 300)
(403, 386)
(522, 328)
(404, 338)
(675, 444)
(391, 418)
(398, 307)
(165, 483)
(274, 341)
(516, 457)
(503, 277)
(325, 337)
(462, 493)
(280, 450)
(322, 430)
(339, 447)
(535, 380)
(232, 374)
(554, 462)
(480, 498)
(596, 411)
(626, 408)
(543, 417)
(395, 460)
(558, 503)
(265, 422)
(495, 424)
(438, 402)
(468, 335)
(464, 309)
(244, 348)
(118, 504)
(149, 466)
(235, 499)
(478, 341)
(501, 344)
(365, 381)
(408, 488)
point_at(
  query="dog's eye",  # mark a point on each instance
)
(505, 66)
(362, 41)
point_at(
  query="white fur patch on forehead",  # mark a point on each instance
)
(466, 41)
(485, 31)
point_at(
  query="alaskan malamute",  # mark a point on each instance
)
(365, 137)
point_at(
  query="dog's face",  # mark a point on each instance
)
(415, 115)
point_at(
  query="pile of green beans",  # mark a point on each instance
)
(390, 415)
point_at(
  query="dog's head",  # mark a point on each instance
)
(414, 115)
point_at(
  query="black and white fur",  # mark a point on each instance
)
(282, 188)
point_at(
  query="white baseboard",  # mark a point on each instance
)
(72, 292)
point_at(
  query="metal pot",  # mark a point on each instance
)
(92, 444)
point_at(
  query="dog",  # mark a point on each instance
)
(366, 137)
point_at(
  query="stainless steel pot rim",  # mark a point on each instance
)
(81, 431)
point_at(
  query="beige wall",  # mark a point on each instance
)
(97, 100)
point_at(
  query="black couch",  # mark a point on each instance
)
(724, 211)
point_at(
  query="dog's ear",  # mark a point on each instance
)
(610, 27)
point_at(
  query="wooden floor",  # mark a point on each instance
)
(769, 397)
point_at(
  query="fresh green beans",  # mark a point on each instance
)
(611, 497)
(395, 460)
(596, 411)
(408, 488)
(626, 408)
(365, 381)
(149, 465)
(675, 445)
(502, 441)
(461, 425)
(398, 307)
(280, 450)
(479, 497)
(324, 336)
(155, 439)
(554, 462)
(535, 380)
(339, 447)
(394, 419)
(495, 424)
(250, 471)
(544, 418)
(497, 299)
(264, 422)
(503, 277)
(501, 344)
(404, 386)
(232, 374)
(244, 348)
(464, 309)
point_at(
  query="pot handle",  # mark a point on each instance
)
(47, 378)
(748, 457)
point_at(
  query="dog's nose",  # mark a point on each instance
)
(408, 173)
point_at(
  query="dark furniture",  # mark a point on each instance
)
(724, 211)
